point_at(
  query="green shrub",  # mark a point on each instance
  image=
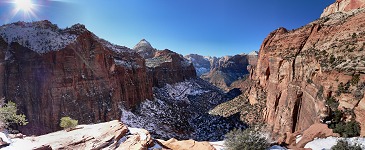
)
(9, 116)
(310, 81)
(355, 79)
(349, 129)
(332, 103)
(343, 88)
(67, 122)
(248, 139)
(344, 145)
(354, 35)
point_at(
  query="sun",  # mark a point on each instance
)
(24, 5)
(25, 9)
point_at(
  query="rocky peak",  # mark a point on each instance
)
(253, 53)
(343, 6)
(145, 49)
(143, 43)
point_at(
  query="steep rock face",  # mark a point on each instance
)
(169, 67)
(88, 79)
(302, 68)
(343, 6)
(202, 64)
(164, 66)
(230, 69)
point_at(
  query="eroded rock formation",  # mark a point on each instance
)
(87, 79)
(164, 66)
(301, 69)
(112, 135)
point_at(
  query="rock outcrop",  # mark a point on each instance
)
(168, 67)
(186, 145)
(145, 49)
(81, 137)
(112, 135)
(164, 66)
(301, 70)
(230, 69)
(299, 139)
(202, 64)
(51, 73)
(343, 6)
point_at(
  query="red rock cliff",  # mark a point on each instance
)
(169, 67)
(343, 6)
(302, 68)
(88, 79)
(164, 66)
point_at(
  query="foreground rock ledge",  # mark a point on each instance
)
(113, 135)
(97, 136)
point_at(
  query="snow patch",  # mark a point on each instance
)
(138, 131)
(218, 145)
(327, 143)
(40, 37)
(181, 90)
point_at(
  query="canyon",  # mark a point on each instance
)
(295, 84)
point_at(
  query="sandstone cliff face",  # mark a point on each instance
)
(343, 6)
(302, 68)
(88, 79)
(169, 67)
(164, 66)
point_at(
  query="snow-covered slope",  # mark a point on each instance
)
(43, 36)
(327, 143)
(180, 111)
(40, 36)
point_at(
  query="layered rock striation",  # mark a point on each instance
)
(165, 66)
(301, 70)
(51, 73)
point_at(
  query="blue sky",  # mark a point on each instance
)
(206, 27)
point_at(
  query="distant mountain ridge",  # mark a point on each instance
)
(223, 71)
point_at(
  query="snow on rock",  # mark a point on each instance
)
(218, 145)
(141, 132)
(113, 47)
(181, 111)
(4, 138)
(181, 90)
(327, 143)
(40, 37)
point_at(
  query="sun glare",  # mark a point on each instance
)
(24, 5)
